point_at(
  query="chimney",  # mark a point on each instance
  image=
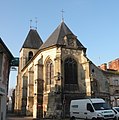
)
(114, 65)
(103, 66)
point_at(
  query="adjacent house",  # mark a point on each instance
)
(111, 70)
(5, 63)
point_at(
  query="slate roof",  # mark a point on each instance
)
(33, 40)
(56, 38)
(4, 48)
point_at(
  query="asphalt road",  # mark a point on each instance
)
(15, 117)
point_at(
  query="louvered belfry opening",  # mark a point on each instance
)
(30, 55)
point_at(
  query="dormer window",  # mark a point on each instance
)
(70, 40)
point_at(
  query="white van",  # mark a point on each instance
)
(91, 109)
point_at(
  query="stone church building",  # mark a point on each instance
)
(52, 73)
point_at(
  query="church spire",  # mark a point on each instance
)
(33, 40)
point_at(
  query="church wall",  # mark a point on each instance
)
(24, 56)
(18, 96)
(87, 78)
(49, 102)
(80, 91)
(54, 55)
(51, 53)
(23, 60)
(82, 66)
(30, 92)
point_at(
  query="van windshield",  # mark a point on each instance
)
(101, 106)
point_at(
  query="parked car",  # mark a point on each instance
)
(116, 110)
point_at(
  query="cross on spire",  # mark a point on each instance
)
(36, 22)
(62, 15)
(31, 26)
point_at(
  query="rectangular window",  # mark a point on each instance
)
(1, 61)
(75, 106)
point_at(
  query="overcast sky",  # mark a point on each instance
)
(94, 22)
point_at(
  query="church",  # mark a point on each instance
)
(52, 73)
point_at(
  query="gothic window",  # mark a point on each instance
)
(70, 71)
(49, 72)
(30, 55)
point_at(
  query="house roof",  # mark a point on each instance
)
(4, 48)
(33, 40)
(56, 38)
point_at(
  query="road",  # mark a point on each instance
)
(16, 117)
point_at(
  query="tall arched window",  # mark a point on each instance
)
(70, 71)
(49, 72)
(30, 55)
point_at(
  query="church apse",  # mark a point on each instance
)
(73, 86)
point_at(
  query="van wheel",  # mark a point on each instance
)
(94, 119)
(116, 118)
(72, 118)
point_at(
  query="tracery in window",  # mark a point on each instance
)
(70, 71)
(49, 72)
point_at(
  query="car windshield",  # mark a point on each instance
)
(117, 109)
(101, 106)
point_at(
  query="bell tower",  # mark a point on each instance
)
(31, 45)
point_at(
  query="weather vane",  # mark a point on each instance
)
(62, 15)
